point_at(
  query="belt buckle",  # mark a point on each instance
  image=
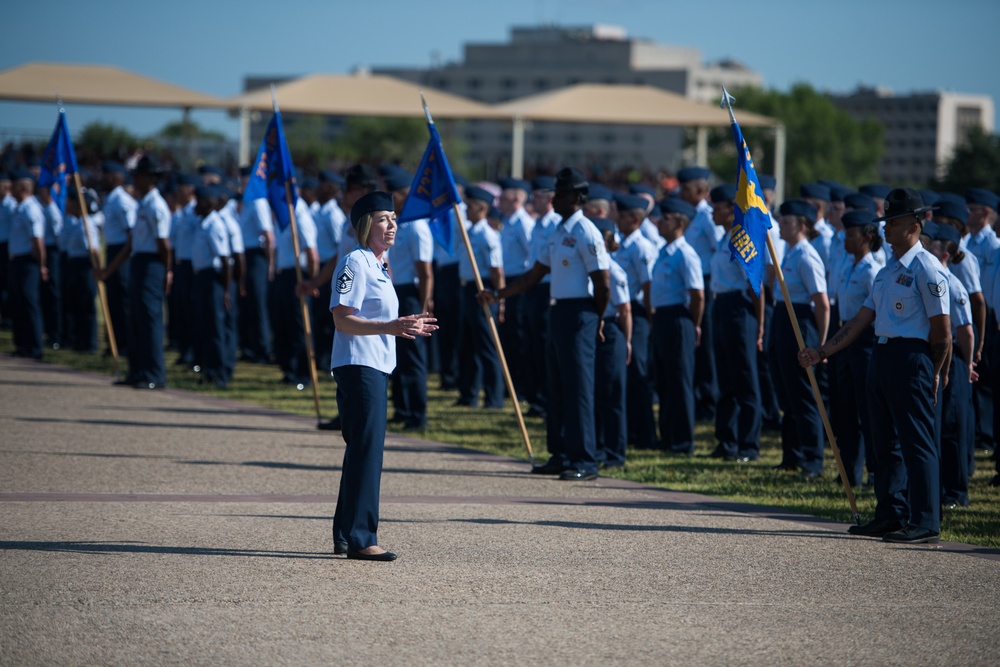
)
(882, 340)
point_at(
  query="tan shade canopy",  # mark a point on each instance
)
(624, 105)
(362, 95)
(95, 84)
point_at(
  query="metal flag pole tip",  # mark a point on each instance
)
(274, 99)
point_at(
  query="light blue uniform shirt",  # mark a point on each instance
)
(152, 222)
(7, 207)
(210, 242)
(727, 275)
(540, 235)
(576, 249)
(362, 283)
(74, 240)
(823, 245)
(960, 309)
(856, 284)
(256, 220)
(414, 243)
(348, 239)
(636, 255)
(233, 230)
(27, 223)
(824, 228)
(983, 244)
(908, 292)
(119, 216)
(989, 273)
(677, 270)
(53, 223)
(804, 274)
(620, 292)
(515, 239)
(182, 228)
(837, 264)
(307, 239)
(447, 256)
(486, 247)
(329, 221)
(968, 272)
(704, 235)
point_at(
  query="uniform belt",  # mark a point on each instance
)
(149, 255)
(574, 300)
(23, 258)
(900, 340)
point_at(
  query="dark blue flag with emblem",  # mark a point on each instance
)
(58, 161)
(748, 238)
(271, 171)
(433, 192)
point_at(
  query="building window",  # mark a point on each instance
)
(474, 84)
(442, 83)
(541, 84)
(508, 84)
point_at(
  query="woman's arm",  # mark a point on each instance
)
(411, 326)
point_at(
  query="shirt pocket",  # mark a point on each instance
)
(903, 302)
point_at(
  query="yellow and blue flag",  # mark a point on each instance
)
(748, 238)
(433, 192)
(272, 169)
(58, 161)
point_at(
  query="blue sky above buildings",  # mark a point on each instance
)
(210, 46)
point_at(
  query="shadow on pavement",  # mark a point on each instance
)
(98, 548)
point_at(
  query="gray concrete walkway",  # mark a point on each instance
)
(163, 528)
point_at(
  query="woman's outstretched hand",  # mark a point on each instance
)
(412, 326)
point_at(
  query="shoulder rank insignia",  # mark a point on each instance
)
(937, 289)
(345, 281)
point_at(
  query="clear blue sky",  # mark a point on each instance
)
(210, 46)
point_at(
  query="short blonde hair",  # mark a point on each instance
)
(364, 229)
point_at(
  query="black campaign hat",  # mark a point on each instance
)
(903, 202)
(361, 174)
(571, 178)
(370, 203)
(148, 164)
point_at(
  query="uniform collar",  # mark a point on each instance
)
(910, 255)
(571, 221)
(674, 245)
(704, 207)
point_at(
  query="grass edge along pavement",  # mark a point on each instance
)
(497, 432)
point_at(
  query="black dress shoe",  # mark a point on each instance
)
(359, 555)
(912, 535)
(332, 425)
(552, 467)
(127, 382)
(810, 475)
(786, 467)
(339, 548)
(996, 480)
(577, 476)
(149, 385)
(876, 527)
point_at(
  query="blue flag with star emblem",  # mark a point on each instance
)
(58, 161)
(271, 171)
(748, 238)
(433, 192)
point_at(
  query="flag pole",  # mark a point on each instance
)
(95, 262)
(489, 316)
(727, 101)
(306, 323)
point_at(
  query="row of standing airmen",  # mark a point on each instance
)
(664, 336)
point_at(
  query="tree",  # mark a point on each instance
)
(377, 140)
(180, 130)
(823, 141)
(974, 164)
(106, 140)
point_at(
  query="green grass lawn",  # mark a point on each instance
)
(496, 431)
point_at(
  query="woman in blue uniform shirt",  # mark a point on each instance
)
(861, 241)
(677, 296)
(614, 354)
(365, 310)
(805, 278)
(956, 430)
(909, 305)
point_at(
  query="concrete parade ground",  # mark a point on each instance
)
(167, 528)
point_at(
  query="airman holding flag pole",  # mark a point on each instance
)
(433, 192)
(273, 178)
(58, 160)
(749, 233)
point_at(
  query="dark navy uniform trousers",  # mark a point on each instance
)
(52, 295)
(537, 321)
(118, 299)
(289, 329)
(479, 362)
(146, 287)
(706, 387)
(78, 297)
(801, 427)
(957, 436)
(674, 360)
(255, 323)
(409, 380)
(572, 350)
(855, 440)
(208, 311)
(447, 310)
(737, 412)
(642, 425)
(362, 403)
(907, 461)
(25, 277)
(609, 397)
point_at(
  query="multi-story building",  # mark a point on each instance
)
(542, 59)
(922, 129)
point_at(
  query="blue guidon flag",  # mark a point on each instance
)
(271, 171)
(748, 238)
(58, 161)
(433, 191)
